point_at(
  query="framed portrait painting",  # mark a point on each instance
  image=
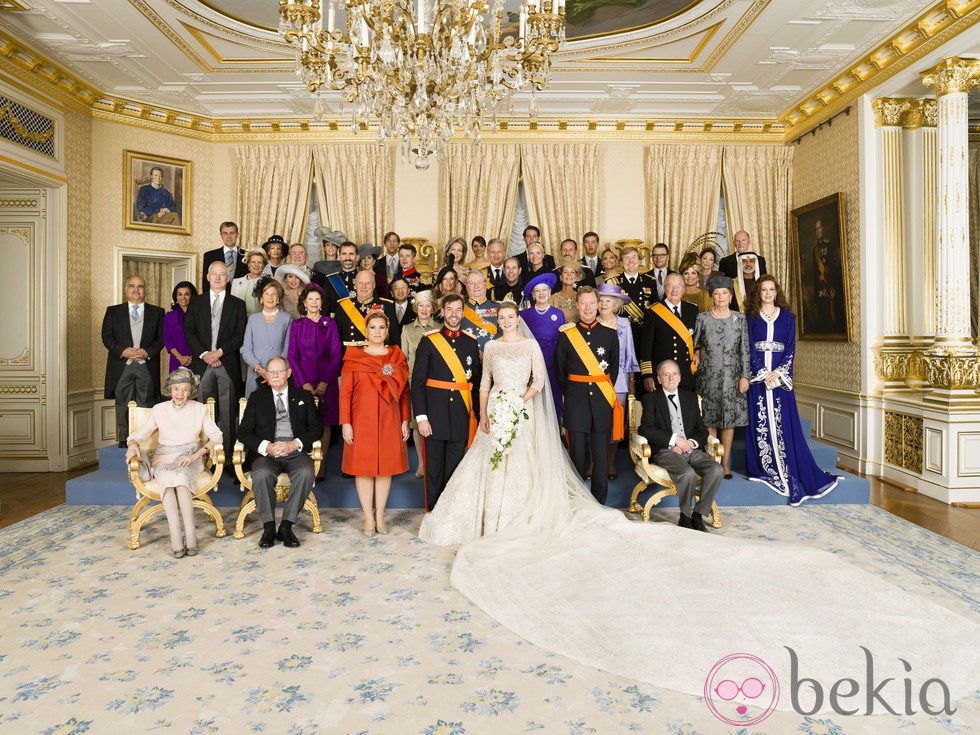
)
(820, 256)
(157, 191)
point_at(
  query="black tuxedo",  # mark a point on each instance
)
(659, 341)
(224, 384)
(683, 468)
(218, 255)
(134, 382)
(381, 266)
(445, 409)
(117, 336)
(350, 333)
(258, 425)
(409, 313)
(259, 420)
(729, 266)
(658, 293)
(586, 414)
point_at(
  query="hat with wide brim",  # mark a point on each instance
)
(545, 279)
(325, 233)
(328, 267)
(614, 290)
(287, 269)
(369, 249)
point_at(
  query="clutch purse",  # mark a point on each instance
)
(143, 471)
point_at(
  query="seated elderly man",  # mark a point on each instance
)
(673, 425)
(279, 426)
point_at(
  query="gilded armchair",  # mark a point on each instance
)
(148, 493)
(282, 483)
(654, 474)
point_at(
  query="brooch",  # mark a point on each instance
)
(554, 317)
(388, 369)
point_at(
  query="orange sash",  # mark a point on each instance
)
(461, 384)
(356, 317)
(470, 313)
(599, 377)
(678, 326)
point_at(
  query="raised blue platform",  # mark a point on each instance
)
(109, 484)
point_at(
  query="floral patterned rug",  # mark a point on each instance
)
(351, 635)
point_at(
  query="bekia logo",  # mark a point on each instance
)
(741, 680)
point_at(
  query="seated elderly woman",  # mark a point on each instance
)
(179, 457)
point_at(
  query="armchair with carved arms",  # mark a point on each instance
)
(282, 483)
(653, 474)
(148, 493)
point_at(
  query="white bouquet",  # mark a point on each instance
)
(508, 414)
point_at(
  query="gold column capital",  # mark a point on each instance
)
(923, 114)
(892, 111)
(952, 75)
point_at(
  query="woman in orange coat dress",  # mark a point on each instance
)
(374, 412)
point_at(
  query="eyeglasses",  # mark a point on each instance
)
(751, 688)
(276, 372)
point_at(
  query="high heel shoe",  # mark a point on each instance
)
(369, 531)
(180, 553)
(382, 529)
(191, 551)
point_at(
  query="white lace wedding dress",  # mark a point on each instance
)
(664, 604)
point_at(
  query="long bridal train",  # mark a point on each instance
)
(664, 604)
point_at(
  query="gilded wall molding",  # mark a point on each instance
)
(952, 372)
(903, 440)
(930, 30)
(18, 202)
(18, 389)
(953, 75)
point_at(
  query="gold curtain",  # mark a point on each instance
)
(758, 197)
(974, 197)
(683, 191)
(561, 184)
(354, 189)
(273, 192)
(478, 191)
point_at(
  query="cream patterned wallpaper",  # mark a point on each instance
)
(213, 193)
(825, 163)
(78, 169)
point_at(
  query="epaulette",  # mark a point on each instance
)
(431, 331)
(566, 326)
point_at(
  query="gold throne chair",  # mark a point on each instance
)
(653, 474)
(282, 483)
(148, 493)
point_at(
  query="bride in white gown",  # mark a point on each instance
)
(657, 602)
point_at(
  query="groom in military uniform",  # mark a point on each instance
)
(352, 311)
(586, 365)
(446, 397)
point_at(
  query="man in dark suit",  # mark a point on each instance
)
(387, 264)
(586, 366)
(668, 331)
(660, 254)
(494, 272)
(729, 264)
(446, 397)
(279, 426)
(229, 254)
(214, 327)
(132, 332)
(590, 256)
(569, 250)
(512, 287)
(673, 425)
(400, 297)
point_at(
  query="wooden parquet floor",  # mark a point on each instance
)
(23, 495)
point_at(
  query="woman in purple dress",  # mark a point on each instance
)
(612, 299)
(173, 326)
(315, 357)
(544, 322)
(778, 454)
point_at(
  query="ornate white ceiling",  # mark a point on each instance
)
(721, 59)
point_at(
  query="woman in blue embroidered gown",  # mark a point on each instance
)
(778, 454)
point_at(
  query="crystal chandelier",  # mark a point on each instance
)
(422, 68)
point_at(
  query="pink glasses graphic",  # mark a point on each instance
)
(751, 688)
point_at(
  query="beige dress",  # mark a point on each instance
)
(180, 431)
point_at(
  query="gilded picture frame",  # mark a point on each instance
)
(157, 193)
(819, 235)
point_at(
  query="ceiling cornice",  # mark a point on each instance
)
(936, 26)
(34, 73)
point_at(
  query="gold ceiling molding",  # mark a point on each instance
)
(706, 35)
(934, 27)
(905, 112)
(953, 75)
(220, 28)
(12, 5)
(202, 37)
